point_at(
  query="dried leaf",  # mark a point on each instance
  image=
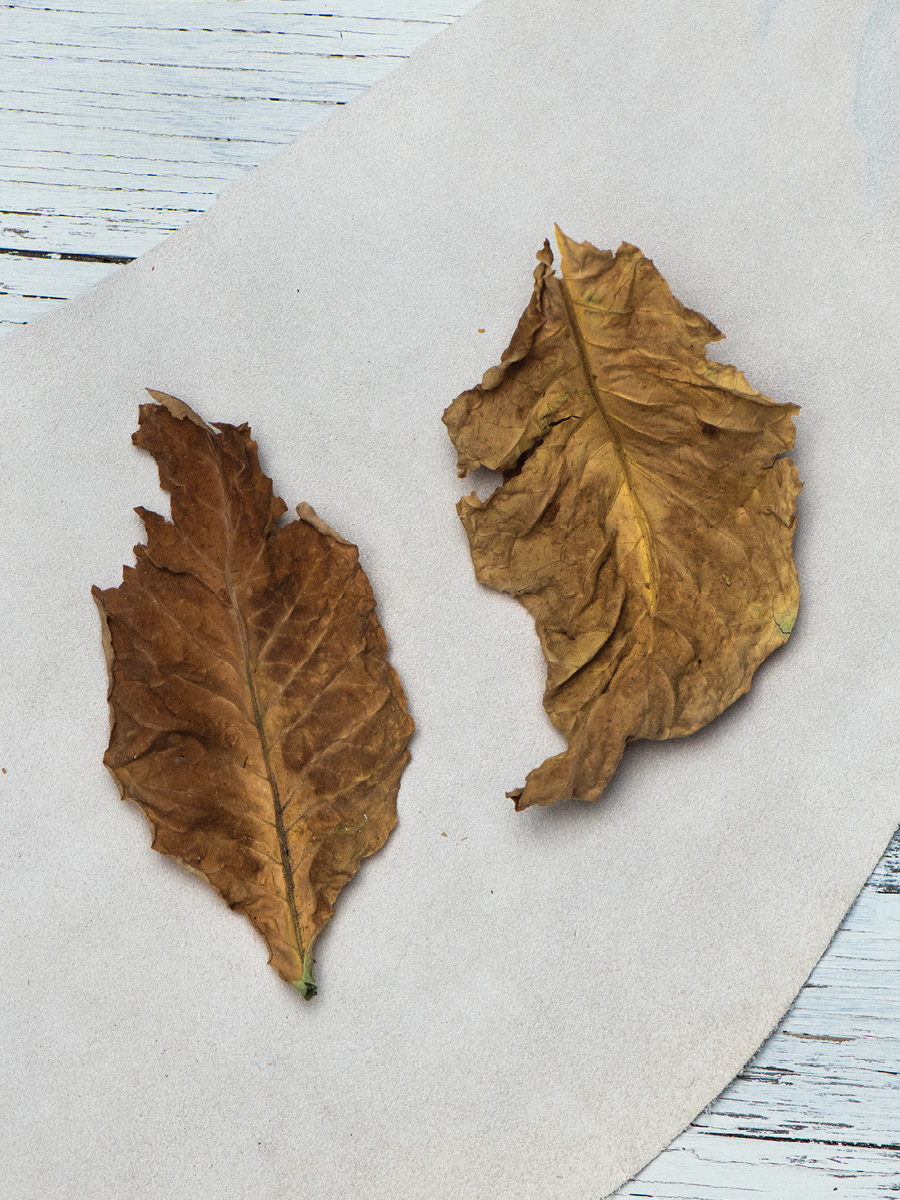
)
(255, 718)
(646, 516)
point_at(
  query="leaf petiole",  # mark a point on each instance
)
(306, 985)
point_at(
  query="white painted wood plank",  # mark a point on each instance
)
(257, 121)
(322, 78)
(124, 237)
(699, 1167)
(119, 120)
(69, 145)
(77, 36)
(40, 284)
(123, 120)
(258, 14)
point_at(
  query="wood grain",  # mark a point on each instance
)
(121, 120)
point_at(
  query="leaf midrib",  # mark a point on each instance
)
(278, 807)
(643, 521)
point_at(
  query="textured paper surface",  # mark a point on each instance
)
(533, 1005)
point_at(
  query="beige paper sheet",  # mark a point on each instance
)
(533, 1006)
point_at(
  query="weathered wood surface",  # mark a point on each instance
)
(121, 119)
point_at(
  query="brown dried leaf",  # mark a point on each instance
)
(255, 718)
(645, 519)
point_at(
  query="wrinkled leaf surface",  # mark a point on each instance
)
(646, 514)
(255, 718)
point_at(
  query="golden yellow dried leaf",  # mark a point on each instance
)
(255, 718)
(646, 515)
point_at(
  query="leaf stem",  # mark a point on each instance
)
(306, 985)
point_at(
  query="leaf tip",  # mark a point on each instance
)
(515, 796)
(178, 409)
(307, 513)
